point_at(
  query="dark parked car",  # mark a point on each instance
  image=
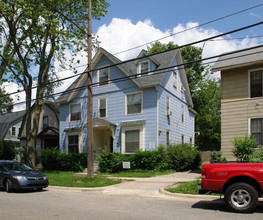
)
(15, 175)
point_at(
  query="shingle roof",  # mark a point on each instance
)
(8, 118)
(162, 60)
(239, 58)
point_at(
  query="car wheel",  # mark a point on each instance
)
(8, 186)
(39, 189)
(241, 197)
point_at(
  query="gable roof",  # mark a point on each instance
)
(8, 118)
(162, 60)
(239, 58)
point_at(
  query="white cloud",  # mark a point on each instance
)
(122, 34)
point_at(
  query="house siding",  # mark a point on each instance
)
(150, 121)
(236, 107)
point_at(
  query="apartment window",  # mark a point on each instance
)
(183, 113)
(175, 79)
(45, 122)
(168, 112)
(103, 108)
(167, 137)
(132, 141)
(256, 129)
(182, 139)
(256, 83)
(73, 144)
(144, 67)
(13, 131)
(134, 103)
(104, 75)
(75, 112)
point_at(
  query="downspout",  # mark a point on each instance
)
(157, 115)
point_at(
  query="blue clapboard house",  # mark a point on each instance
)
(138, 105)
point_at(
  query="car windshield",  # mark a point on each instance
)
(16, 166)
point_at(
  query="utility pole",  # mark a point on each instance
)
(90, 158)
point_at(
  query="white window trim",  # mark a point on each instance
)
(140, 71)
(98, 76)
(183, 139)
(249, 85)
(169, 141)
(130, 128)
(167, 111)
(79, 133)
(106, 113)
(175, 79)
(126, 109)
(70, 111)
(183, 114)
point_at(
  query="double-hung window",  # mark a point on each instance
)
(183, 113)
(175, 79)
(134, 103)
(168, 112)
(132, 141)
(103, 108)
(75, 112)
(73, 144)
(13, 131)
(45, 122)
(144, 67)
(256, 83)
(104, 75)
(256, 129)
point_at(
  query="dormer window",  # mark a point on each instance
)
(103, 76)
(144, 67)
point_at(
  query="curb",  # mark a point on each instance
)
(182, 195)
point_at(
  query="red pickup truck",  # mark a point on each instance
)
(241, 183)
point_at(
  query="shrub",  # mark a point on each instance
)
(257, 156)
(216, 157)
(183, 157)
(7, 150)
(244, 147)
(52, 159)
(111, 162)
(150, 160)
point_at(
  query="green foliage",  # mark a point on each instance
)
(216, 157)
(244, 147)
(186, 188)
(52, 159)
(207, 103)
(111, 162)
(177, 157)
(150, 160)
(6, 102)
(7, 150)
(257, 155)
(183, 157)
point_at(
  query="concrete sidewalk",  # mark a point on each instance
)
(145, 187)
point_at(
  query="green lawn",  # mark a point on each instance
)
(186, 188)
(70, 179)
(141, 173)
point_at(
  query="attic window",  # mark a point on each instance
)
(103, 75)
(144, 67)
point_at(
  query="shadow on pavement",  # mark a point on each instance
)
(219, 205)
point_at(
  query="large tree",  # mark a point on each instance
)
(206, 95)
(6, 102)
(33, 36)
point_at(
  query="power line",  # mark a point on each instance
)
(149, 55)
(158, 71)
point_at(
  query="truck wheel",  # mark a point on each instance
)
(241, 197)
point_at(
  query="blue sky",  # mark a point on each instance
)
(167, 14)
